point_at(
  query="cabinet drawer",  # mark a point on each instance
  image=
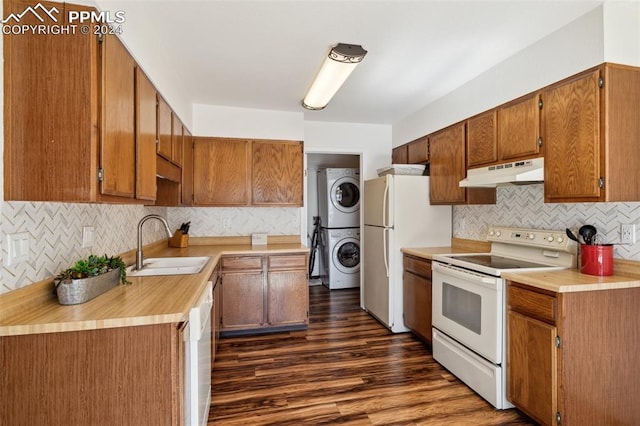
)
(289, 261)
(241, 263)
(537, 305)
(418, 266)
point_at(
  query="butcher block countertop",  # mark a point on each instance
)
(564, 281)
(428, 252)
(148, 300)
(571, 280)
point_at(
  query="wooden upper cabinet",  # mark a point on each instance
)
(221, 170)
(572, 129)
(482, 139)
(400, 155)
(118, 147)
(448, 165)
(276, 171)
(50, 115)
(187, 168)
(418, 151)
(165, 124)
(69, 115)
(448, 168)
(519, 128)
(590, 130)
(177, 134)
(145, 137)
(238, 172)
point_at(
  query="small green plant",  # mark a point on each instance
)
(94, 266)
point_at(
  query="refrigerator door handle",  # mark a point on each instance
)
(384, 203)
(384, 250)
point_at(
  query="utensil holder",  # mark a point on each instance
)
(179, 240)
(596, 259)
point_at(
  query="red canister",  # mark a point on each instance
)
(596, 259)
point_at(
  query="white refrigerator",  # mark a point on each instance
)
(397, 214)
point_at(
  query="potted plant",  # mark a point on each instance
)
(89, 278)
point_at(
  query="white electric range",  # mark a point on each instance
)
(469, 303)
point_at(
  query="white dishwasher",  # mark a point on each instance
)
(197, 375)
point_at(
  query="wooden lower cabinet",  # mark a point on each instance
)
(116, 376)
(416, 285)
(572, 357)
(261, 293)
(242, 300)
(533, 378)
(216, 317)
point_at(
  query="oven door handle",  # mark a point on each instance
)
(465, 274)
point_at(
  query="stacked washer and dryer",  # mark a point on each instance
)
(339, 211)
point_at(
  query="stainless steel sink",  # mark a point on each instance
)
(169, 266)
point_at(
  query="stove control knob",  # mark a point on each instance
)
(560, 239)
(550, 238)
(498, 233)
(491, 233)
(531, 236)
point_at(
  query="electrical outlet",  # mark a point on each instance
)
(628, 233)
(87, 236)
(17, 248)
(226, 224)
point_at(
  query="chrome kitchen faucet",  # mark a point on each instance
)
(139, 256)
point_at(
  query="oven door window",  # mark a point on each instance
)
(462, 307)
(468, 307)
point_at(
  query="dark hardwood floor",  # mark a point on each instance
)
(345, 369)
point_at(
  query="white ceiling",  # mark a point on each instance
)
(264, 53)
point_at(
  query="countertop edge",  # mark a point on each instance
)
(571, 280)
(564, 281)
(44, 301)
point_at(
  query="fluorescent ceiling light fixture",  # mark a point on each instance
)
(341, 61)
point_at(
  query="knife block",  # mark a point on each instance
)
(179, 240)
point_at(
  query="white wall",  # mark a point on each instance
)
(622, 32)
(212, 120)
(142, 42)
(573, 48)
(372, 142)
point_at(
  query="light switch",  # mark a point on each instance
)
(87, 236)
(17, 248)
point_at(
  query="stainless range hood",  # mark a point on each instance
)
(518, 172)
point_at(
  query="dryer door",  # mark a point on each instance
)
(346, 255)
(345, 195)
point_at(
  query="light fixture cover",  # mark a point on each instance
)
(339, 64)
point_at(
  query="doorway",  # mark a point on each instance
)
(319, 257)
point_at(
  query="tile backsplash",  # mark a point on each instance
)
(55, 231)
(55, 235)
(523, 206)
(233, 221)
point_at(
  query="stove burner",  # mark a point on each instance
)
(498, 262)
